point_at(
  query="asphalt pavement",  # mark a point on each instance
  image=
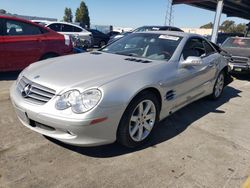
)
(206, 144)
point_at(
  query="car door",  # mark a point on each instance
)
(22, 44)
(2, 66)
(194, 82)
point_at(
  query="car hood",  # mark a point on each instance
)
(244, 52)
(82, 71)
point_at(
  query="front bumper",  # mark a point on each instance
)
(239, 68)
(75, 131)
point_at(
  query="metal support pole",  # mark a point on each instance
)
(217, 20)
(169, 13)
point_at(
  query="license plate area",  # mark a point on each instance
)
(237, 69)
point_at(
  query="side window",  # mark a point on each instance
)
(194, 47)
(77, 29)
(2, 27)
(67, 28)
(55, 27)
(208, 48)
(16, 28)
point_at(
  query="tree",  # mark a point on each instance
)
(82, 15)
(2, 11)
(229, 26)
(207, 26)
(240, 28)
(68, 17)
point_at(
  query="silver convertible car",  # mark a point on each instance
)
(120, 92)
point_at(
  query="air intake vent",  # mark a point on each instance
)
(96, 53)
(237, 59)
(138, 60)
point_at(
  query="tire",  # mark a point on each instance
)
(218, 86)
(48, 56)
(134, 132)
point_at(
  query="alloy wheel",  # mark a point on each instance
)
(142, 120)
(219, 85)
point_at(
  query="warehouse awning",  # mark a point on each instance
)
(232, 8)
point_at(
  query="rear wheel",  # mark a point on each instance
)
(138, 120)
(219, 86)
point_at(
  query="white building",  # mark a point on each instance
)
(198, 31)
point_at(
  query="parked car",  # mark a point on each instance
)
(247, 34)
(71, 29)
(120, 92)
(239, 48)
(42, 22)
(23, 42)
(223, 36)
(144, 29)
(99, 38)
(113, 33)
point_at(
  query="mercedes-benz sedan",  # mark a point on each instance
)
(120, 92)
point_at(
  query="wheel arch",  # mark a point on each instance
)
(228, 78)
(150, 89)
(53, 54)
(153, 90)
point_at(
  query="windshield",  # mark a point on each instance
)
(145, 45)
(237, 43)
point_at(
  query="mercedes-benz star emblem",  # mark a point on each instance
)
(26, 90)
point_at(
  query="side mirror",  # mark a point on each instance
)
(191, 61)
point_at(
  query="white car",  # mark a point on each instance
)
(71, 29)
(42, 22)
(120, 92)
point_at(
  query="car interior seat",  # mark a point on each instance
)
(12, 31)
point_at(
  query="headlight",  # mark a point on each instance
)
(79, 102)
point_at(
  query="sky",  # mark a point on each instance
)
(122, 13)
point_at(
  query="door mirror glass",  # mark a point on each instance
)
(191, 61)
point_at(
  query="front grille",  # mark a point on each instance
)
(35, 93)
(243, 60)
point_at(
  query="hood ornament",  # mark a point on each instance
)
(26, 90)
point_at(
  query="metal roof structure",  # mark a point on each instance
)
(31, 17)
(232, 8)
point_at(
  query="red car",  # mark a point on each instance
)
(23, 42)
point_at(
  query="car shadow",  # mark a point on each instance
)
(242, 77)
(8, 76)
(167, 129)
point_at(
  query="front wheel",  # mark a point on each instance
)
(219, 86)
(138, 120)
